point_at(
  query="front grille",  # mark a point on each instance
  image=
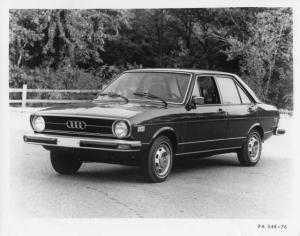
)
(94, 126)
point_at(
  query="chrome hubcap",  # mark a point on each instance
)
(254, 147)
(162, 160)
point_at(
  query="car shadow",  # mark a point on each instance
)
(127, 174)
(115, 173)
(203, 163)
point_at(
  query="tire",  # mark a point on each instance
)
(64, 164)
(250, 153)
(158, 162)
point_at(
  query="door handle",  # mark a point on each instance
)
(221, 111)
(252, 108)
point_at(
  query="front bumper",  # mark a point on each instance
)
(114, 145)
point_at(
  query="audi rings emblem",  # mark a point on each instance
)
(75, 124)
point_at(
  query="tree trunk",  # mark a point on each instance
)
(189, 31)
(272, 65)
(161, 51)
(19, 59)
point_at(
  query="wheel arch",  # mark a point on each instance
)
(259, 128)
(168, 132)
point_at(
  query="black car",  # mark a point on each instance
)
(149, 117)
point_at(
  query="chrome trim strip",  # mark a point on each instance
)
(100, 141)
(210, 140)
(193, 121)
(271, 131)
(75, 115)
(118, 141)
(102, 149)
(100, 126)
(72, 132)
(210, 150)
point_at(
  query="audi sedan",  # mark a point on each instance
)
(149, 117)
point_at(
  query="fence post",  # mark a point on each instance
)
(24, 95)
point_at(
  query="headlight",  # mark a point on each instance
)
(38, 123)
(120, 129)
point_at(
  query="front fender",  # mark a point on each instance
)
(159, 131)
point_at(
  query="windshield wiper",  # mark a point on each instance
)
(150, 95)
(114, 95)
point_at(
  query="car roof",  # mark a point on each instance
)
(194, 71)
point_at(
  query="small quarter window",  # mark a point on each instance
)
(244, 97)
(196, 91)
(228, 90)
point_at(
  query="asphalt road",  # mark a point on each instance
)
(216, 187)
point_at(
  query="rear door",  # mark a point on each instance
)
(242, 111)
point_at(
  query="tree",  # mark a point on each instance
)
(76, 46)
(52, 38)
(265, 56)
(25, 32)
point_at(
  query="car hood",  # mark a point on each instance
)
(100, 109)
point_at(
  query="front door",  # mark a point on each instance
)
(206, 125)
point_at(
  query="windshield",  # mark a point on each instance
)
(171, 87)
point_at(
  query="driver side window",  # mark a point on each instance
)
(205, 86)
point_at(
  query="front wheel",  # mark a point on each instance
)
(64, 164)
(250, 153)
(157, 164)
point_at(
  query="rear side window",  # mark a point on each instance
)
(228, 90)
(244, 97)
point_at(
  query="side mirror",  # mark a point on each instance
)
(198, 100)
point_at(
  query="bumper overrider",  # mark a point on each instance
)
(278, 131)
(83, 143)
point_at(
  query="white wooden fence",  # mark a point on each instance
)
(286, 112)
(25, 90)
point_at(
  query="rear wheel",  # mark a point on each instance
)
(250, 153)
(65, 164)
(157, 163)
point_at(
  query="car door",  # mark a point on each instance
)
(206, 126)
(242, 111)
